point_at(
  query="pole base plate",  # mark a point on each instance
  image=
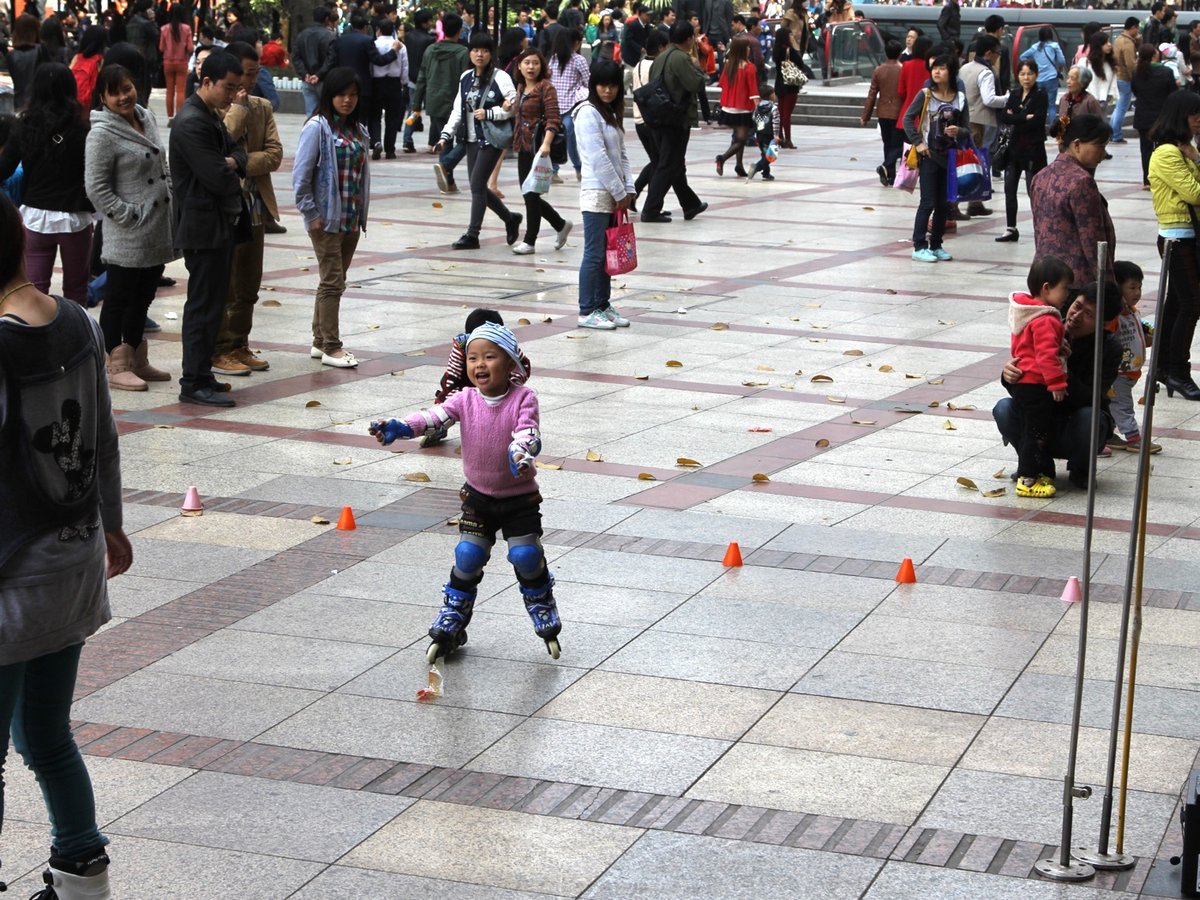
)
(1103, 861)
(1053, 870)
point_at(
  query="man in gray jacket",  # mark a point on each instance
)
(683, 79)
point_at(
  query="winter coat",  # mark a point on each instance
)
(437, 83)
(533, 107)
(1175, 187)
(1070, 216)
(1036, 344)
(602, 152)
(253, 128)
(126, 178)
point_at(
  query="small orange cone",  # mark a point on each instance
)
(733, 556)
(346, 520)
(1072, 593)
(192, 504)
(906, 575)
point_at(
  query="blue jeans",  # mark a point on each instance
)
(312, 97)
(572, 148)
(1124, 99)
(407, 138)
(35, 704)
(1051, 89)
(595, 284)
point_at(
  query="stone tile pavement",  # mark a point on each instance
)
(800, 727)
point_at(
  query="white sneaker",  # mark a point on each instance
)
(597, 319)
(615, 317)
(523, 249)
(562, 235)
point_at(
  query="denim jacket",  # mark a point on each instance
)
(315, 176)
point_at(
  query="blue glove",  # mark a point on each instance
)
(386, 431)
(520, 463)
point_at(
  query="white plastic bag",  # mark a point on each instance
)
(538, 179)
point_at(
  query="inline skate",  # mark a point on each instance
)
(449, 629)
(539, 603)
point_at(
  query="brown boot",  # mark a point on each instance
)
(120, 376)
(142, 368)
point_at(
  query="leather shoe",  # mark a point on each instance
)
(205, 396)
(166, 281)
(656, 217)
(270, 226)
(512, 228)
(690, 214)
(466, 242)
(1010, 236)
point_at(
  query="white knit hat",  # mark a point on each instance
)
(502, 338)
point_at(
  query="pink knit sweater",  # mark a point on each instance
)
(486, 433)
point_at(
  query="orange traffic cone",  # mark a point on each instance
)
(906, 575)
(733, 556)
(1072, 593)
(192, 504)
(346, 520)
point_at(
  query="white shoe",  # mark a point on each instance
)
(615, 317)
(561, 241)
(523, 249)
(598, 320)
(315, 352)
(345, 361)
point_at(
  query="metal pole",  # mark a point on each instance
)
(1064, 868)
(1101, 858)
(1122, 794)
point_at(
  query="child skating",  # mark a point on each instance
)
(454, 379)
(500, 441)
(1035, 319)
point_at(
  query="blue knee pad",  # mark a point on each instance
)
(470, 558)
(527, 559)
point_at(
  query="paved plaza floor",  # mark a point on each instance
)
(800, 727)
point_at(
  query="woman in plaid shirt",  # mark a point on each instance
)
(569, 75)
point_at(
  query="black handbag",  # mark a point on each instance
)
(558, 143)
(1002, 149)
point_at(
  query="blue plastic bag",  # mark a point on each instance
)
(968, 175)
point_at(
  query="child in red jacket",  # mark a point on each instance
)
(1037, 341)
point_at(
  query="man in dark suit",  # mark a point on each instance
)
(206, 171)
(356, 49)
(633, 40)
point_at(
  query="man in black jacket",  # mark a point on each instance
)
(356, 49)
(416, 41)
(949, 22)
(312, 57)
(633, 40)
(206, 171)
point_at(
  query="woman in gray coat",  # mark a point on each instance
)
(126, 178)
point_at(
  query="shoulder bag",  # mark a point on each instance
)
(498, 132)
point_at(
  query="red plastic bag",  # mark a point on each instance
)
(620, 246)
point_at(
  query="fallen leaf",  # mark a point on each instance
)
(268, 288)
(539, 270)
(171, 317)
(319, 520)
(819, 327)
(946, 322)
(646, 476)
(787, 387)
(936, 381)
(759, 478)
(934, 404)
(755, 383)
(343, 461)
(524, 322)
(820, 379)
(167, 427)
(547, 320)
(798, 372)
(593, 456)
(682, 311)
(852, 353)
(674, 364)
(999, 473)
(854, 159)
(311, 403)
(373, 327)
(761, 430)
(551, 466)
(836, 399)
(823, 442)
(816, 340)
(912, 375)
(659, 297)
(370, 268)
(890, 291)
(416, 476)
(949, 426)
(869, 208)
(577, 337)
(886, 368)
(719, 326)
(862, 421)
(452, 521)
(398, 372)
(436, 205)
(764, 369)
(994, 492)
(641, 377)
(304, 269)
(811, 305)
(967, 482)
(965, 407)
(687, 463)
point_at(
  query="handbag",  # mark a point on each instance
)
(908, 173)
(620, 247)
(968, 175)
(657, 106)
(499, 132)
(1002, 149)
(558, 143)
(538, 179)
(791, 74)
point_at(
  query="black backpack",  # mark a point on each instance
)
(658, 108)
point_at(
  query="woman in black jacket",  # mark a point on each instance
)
(49, 142)
(787, 93)
(1152, 83)
(26, 55)
(1026, 113)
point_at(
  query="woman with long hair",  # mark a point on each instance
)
(569, 72)
(1152, 83)
(175, 45)
(1025, 112)
(126, 179)
(63, 538)
(606, 186)
(1051, 64)
(48, 142)
(26, 55)
(739, 96)
(512, 44)
(54, 40)
(607, 39)
(538, 121)
(705, 57)
(787, 94)
(332, 180)
(1099, 61)
(1175, 187)
(86, 64)
(936, 120)
(485, 94)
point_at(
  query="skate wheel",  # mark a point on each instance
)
(433, 653)
(462, 637)
(552, 647)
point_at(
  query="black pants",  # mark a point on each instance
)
(1070, 434)
(1012, 181)
(893, 145)
(646, 135)
(932, 208)
(481, 160)
(483, 515)
(127, 296)
(536, 206)
(1147, 147)
(671, 172)
(705, 110)
(1177, 325)
(1038, 413)
(207, 288)
(388, 102)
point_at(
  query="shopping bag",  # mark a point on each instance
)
(538, 179)
(968, 175)
(772, 152)
(620, 247)
(908, 172)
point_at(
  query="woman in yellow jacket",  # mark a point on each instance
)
(1175, 187)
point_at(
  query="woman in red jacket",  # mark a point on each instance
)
(914, 73)
(739, 96)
